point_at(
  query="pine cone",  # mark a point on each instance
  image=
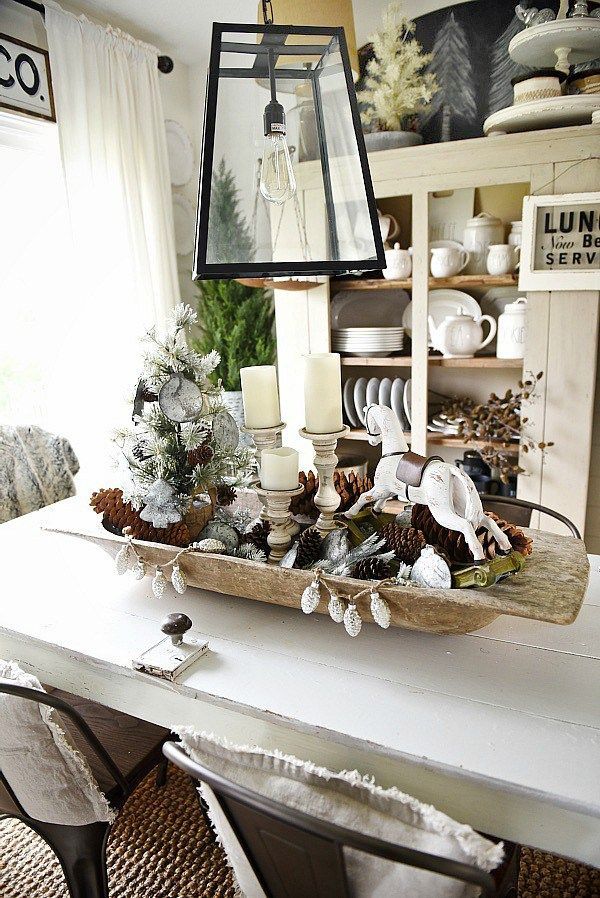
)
(118, 514)
(304, 503)
(406, 542)
(309, 548)
(350, 488)
(226, 494)
(257, 537)
(371, 569)
(200, 456)
(454, 543)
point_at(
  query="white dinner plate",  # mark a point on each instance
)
(407, 401)
(385, 392)
(360, 398)
(357, 308)
(180, 152)
(439, 244)
(373, 390)
(442, 303)
(396, 399)
(349, 402)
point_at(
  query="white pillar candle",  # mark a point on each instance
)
(323, 392)
(261, 397)
(279, 469)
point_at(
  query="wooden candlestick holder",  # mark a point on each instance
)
(267, 438)
(326, 499)
(279, 516)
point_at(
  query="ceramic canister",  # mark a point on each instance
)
(480, 232)
(512, 330)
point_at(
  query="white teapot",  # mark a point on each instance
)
(460, 336)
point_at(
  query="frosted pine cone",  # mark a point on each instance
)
(304, 503)
(226, 494)
(406, 542)
(453, 544)
(257, 537)
(200, 456)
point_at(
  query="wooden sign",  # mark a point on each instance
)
(25, 82)
(561, 242)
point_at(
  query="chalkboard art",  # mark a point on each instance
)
(561, 242)
(469, 43)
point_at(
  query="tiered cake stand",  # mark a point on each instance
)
(557, 44)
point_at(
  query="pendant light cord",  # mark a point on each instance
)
(272, 76)
(267, 11)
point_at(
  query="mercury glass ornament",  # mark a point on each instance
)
(352, 620)
(178, 580)
(181, 399)
(380, 610)
(159, 583)
(123, 559)
(139, 569)
(336, 608)
(431, 570)
(311, 597)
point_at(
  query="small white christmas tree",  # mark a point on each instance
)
(396, 85)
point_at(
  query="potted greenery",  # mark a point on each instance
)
(237, 321)
(396, 87)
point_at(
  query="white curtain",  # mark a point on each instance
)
(114, 156)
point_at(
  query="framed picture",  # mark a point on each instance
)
(25, 82)
(561, 242)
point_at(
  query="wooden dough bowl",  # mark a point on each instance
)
(551, 587)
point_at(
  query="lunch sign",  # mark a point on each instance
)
(561, 242)
(25, 83)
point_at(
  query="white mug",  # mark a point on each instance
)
(501, 258)
(399, 263)
(447, 261)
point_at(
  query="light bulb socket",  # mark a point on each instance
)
(274, 118)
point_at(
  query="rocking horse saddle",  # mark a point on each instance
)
(411, 467)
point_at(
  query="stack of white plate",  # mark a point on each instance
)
(369, 341)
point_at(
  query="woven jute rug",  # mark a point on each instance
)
(160, 847)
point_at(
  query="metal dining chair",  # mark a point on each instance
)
(120, 750)
(295, 855)
(489, 501)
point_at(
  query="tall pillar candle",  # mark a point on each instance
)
(323, 392)
(261, 397)
(279, 469)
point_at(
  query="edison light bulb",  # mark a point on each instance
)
(277, 179)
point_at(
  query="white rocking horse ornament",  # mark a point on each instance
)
(449, 493)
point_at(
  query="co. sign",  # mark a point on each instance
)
(25, 83)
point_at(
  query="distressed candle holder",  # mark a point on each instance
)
(326, 499)
(279, 516)
(267, 438)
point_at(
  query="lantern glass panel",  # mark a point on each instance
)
(330, 223)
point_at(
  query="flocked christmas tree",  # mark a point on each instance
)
(396, 85)
(451, 64)
(229, 236)
(183, 446)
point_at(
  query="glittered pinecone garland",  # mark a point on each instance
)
(118, 514)
(304, 503)
(454, 545)
(226, 494)
(406, 542)
(371, 569)
(257, 536)
(309, 548)
(350, 488)
(201, 455)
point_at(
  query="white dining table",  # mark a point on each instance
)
(499, 728)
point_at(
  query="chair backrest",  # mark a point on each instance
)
(490, 501)
(294, 855)
(90, 739)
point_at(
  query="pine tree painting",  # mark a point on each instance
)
(503, 68)
(229, 236)
(451, 64)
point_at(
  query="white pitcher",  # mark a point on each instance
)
(460, 336)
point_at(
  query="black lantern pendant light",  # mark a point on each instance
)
(285, 187)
